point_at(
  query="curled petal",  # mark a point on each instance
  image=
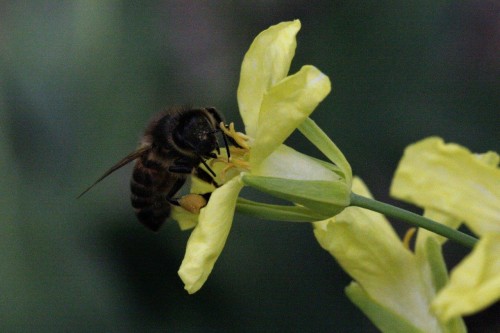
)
(266, 63)
(368, 249)
(285, 107)
(209, 237)
(474, 283)
(449, 179)
(384, 318)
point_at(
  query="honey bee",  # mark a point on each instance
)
(173, 146)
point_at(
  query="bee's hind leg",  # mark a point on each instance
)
(192, 202)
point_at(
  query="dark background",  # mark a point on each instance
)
(80, 79)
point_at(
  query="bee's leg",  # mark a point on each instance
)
(174, 201)
(206, 196)
(176, 187)
(182, 165)
(193, 203)
(180, 169)
(205, 176)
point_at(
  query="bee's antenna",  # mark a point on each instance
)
(224, 137)
(218, 149)
(225, 144)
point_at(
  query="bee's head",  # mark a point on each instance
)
(196, 133)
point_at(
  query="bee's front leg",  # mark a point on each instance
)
(181, 165)
(205, 176)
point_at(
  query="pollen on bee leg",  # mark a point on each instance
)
(192, 202)
(240, 138)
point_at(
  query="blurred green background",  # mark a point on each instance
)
(80, 79)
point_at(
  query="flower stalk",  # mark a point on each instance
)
(413, 219)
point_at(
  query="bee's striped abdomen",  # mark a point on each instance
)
(151, 186)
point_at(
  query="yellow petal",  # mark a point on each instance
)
(285, 107)
(449, 179)
(185, 219)
(266, 63)
(208, 238)
(200, 186)
(383, 318)
(368, 249)
(474, 283)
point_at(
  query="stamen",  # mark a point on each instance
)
(408, 236)
(240, 138)
(237, 154)
(226, 169)
(238, 164)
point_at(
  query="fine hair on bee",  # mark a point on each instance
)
(175, 143)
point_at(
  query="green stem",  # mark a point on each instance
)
(413, 219)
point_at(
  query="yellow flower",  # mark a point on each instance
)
(450, 179)
(392, 286)
(474, 283)
(272, 106)
(447, 180)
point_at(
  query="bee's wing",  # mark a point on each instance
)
(129, 158)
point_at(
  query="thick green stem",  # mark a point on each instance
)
(413, 219)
